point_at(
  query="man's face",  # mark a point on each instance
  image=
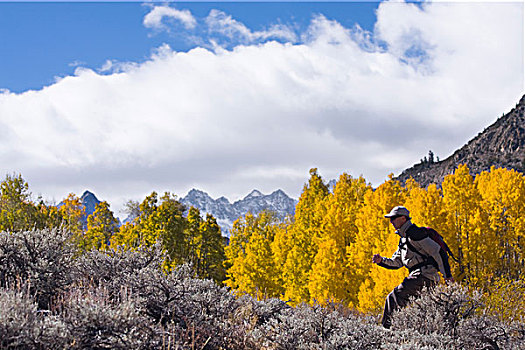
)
(398, 221)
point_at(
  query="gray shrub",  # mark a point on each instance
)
(53, 298)
(41, 259)
(456, 316)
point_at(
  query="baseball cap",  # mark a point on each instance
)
(398, 211)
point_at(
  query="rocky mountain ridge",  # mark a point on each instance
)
(502, 145)
(226, 213)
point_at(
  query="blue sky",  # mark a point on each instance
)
(125, 98)
(44, 40)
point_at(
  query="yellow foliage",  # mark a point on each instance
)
(303, 239)
(503, 201)
(462, 203)
(327, 277)
(330, 278)
(72, 210)
(251, 267)
(101, 225)
(506, 299)
(375, 236)
(324, 253)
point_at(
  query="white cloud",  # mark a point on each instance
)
(154, 19)
(224, 24)
(225, 121)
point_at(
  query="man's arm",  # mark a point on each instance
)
(393, 263)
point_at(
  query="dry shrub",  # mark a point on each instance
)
(459, 318)
(50, 298)
(41, 259)
(23, 326)
(317, 327)
(94, 321)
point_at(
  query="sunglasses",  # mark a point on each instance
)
(395, 217)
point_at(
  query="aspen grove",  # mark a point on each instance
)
(323, 253)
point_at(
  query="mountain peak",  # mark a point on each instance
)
(88, 194)
(226, 213)
(90, 201)
(253, 194)
(196, 192)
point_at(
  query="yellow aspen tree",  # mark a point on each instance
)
(17, 210)
(237, 275)
(303, 236)
(101, 225)
(280, 248)
(503, 199)
(425, 205)
(375, 236)
(147, 221)
(47, 216)
(169, 226)
(72, 212)
(142, 230)
(259, 277)
(465, 222)
(330, 279)
(157, 222)
(126, 236)
(327, 270)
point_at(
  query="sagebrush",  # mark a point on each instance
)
(52, 297)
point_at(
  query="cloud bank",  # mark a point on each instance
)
(261, 115)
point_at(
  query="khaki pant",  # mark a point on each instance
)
(399, 297)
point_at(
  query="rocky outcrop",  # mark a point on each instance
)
(502, 145)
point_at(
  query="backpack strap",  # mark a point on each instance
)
(428, 260)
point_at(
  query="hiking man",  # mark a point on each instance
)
(423, 257)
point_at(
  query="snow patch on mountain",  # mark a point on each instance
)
(226, 213)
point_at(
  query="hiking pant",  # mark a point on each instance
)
(399, 297)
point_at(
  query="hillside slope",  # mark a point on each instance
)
(502, 144)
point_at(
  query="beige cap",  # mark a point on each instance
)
(398, 211)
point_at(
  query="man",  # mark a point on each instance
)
(423, 257)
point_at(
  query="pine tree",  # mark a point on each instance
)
(212, 251)
(193, 237)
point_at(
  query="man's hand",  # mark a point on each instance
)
(376, 259)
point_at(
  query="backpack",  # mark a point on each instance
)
(436, 237)
(439, 240)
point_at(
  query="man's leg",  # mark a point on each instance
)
(400, 296)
